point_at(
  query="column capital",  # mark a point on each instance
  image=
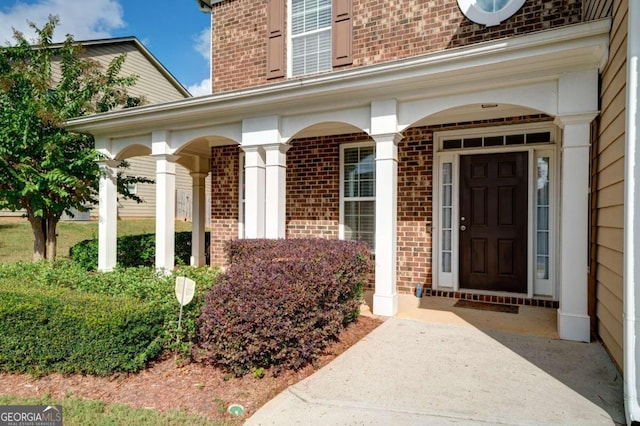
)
(167, 157)
(277, 146)
(394, 137)
(198, 175)
(108, 162)
(387, 146)
(563, 120)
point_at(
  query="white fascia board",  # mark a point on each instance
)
(522, 58)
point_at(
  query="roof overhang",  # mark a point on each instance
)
(530, 58)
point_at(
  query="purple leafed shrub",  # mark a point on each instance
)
(281, 302)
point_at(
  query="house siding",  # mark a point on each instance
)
(382, 31)
(146, 167)
(152, 84)
(154, 87)
(609, 191)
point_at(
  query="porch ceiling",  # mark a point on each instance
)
(500, 64)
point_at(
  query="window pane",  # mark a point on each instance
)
(446, 173)
(514, 139)
(472, 142)
(447, 195)
(539, 137)
(446, 240)
(452, 144)
(543, 218)
(367, 188)
(542, 267)
(446, 262)
(446, 218)
(493, 141)
(543, 242)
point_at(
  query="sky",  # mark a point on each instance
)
(174, 31)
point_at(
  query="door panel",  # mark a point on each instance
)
(493, 222)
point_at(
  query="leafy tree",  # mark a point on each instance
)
(44, 169)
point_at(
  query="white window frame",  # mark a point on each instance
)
(450, 280)
(290, 38)
(343, 147)
(475, 13)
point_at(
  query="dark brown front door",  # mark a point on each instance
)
(493, 222)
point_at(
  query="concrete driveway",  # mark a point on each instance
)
(417, 372)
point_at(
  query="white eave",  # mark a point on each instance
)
(528, 58)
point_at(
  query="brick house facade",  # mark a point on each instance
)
(482, 149)
(375, 121)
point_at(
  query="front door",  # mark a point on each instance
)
(493, 222)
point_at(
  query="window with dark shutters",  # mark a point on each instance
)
(275, 40)
(342, 33)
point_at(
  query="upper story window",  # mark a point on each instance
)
(489, 12)
(310, 36)
(319, 36)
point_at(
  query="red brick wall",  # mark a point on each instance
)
(313, 194)
(239, 57)
(224, 199)
(415, 164)
(382, 31)
(313, 186)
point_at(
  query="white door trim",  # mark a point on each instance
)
(449, 280)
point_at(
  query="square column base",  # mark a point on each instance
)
(385, 305)
(574, 327)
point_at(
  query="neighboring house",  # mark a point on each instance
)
(453, 136)
(156, 85)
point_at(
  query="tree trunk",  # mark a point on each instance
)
(52, 238)
(39, 242)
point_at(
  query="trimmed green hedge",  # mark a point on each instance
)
(47, 330)
(56, 316)
(136, 250)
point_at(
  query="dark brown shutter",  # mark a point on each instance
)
(341, 33)
(275, 39)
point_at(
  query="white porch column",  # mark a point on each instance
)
(254, 166)
(108, 216)
(577, 107)
(384, 125)
(198, 218)
(275, 190)
(165, 200)
(258, 133)
(573, 318)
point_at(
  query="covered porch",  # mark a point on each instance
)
(552, 74)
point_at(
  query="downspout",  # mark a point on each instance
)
(631, 218)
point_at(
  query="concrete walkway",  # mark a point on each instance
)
(410, 372)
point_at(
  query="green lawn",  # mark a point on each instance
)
(79, 412)
(16, 238)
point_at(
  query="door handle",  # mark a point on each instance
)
(463, 228)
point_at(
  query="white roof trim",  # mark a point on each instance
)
(531, 57)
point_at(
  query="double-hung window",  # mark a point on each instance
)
(310, 36)
(358, 181)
